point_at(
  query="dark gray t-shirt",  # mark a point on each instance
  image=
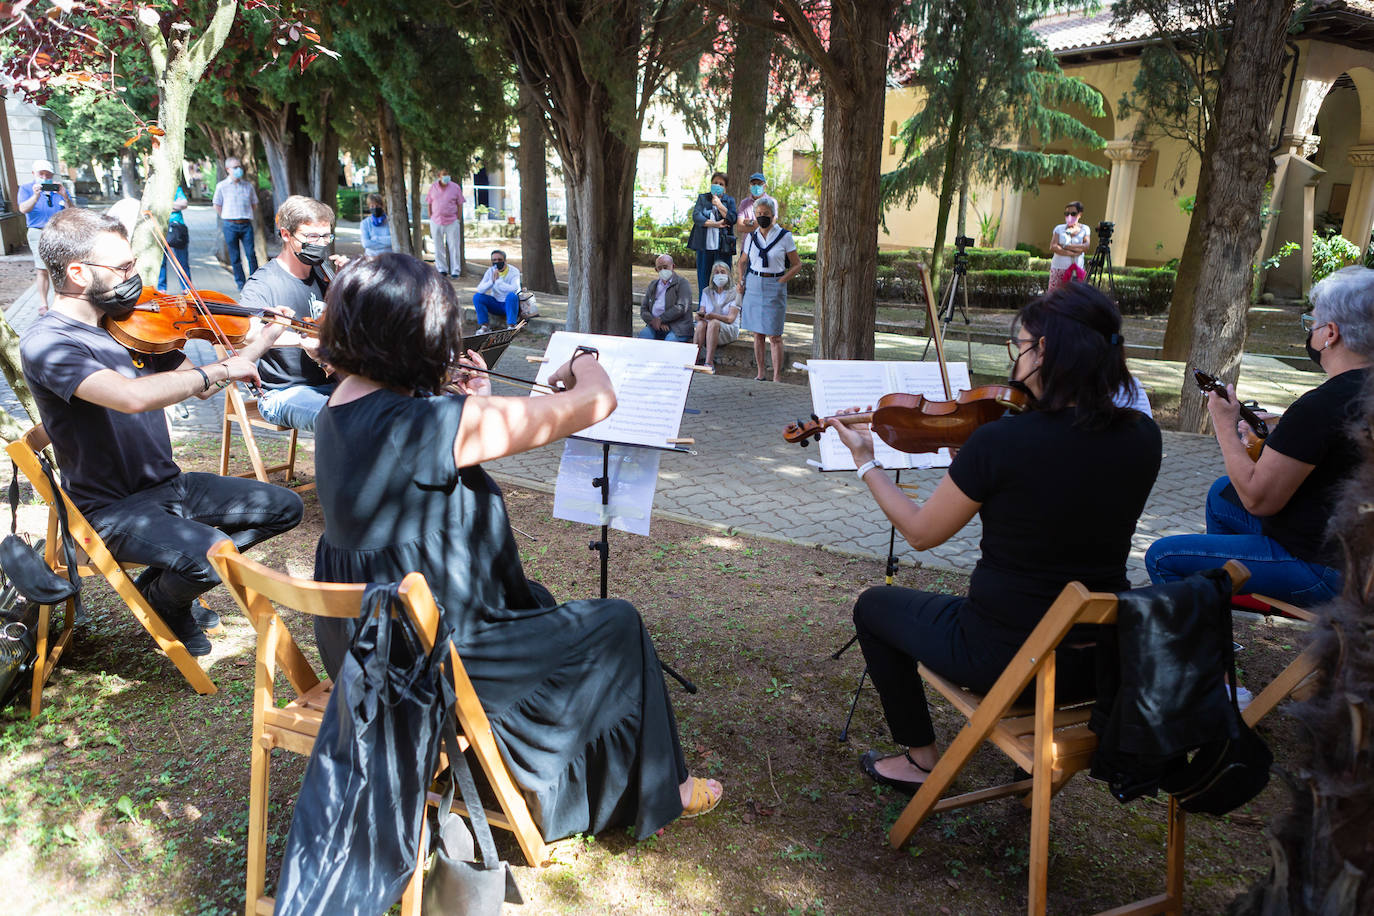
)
(104, 455)
(272, 286)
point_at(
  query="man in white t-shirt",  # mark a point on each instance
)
(1067, 245)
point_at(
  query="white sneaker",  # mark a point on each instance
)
(1243, 697)
(483, 329)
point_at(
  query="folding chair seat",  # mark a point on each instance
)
(1049, 740)
(243, 412)
(1297, 680)
(93, 558)
(294, 726)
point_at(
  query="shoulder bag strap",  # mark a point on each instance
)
(68, 545)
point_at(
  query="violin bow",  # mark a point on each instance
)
(934, 318)
(194, 295)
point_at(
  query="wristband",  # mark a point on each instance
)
(203, 376)
(868, 466)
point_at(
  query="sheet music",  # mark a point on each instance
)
(634, 480)
(837, 384)
(650, 377)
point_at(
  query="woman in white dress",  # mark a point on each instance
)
(718, 317)
(768, 259)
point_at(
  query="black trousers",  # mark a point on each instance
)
(170, 528)
(899, 627)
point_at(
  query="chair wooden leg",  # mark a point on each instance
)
(224, 443)
(1277, 690)
(165, 639)
(1042, 774)
(1175, 853)
(40, 661)
(413, 895)
(250, 442)
(291, 456)
(260, 766)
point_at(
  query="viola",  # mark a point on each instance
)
(914, 423)
(162, 322)
(1256, 426)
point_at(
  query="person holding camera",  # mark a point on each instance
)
(40, 200)
(1068, 243)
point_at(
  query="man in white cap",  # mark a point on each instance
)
(39, 200)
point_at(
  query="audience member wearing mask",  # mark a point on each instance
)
(375, 227)
(713, 223)
(1067, 244)
(236, 202)
(38, 206)
(667, 305)
(768, 259)
(445, 200)
(718, 316)
(745, 222)
(294, 384)
(499, 288)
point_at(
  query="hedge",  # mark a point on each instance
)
(349, 204)
(646, 250)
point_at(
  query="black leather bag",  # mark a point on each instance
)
(1222, 775)
(356, 825)
(178, 236)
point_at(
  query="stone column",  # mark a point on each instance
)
(1126, 156)
(1359, 209)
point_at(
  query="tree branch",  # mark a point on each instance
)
(153, 42)
(801, 30)
(208, 44)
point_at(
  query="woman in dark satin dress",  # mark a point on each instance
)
(574, 691)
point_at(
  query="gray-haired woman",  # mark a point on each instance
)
(1272, 514)
(768, 259)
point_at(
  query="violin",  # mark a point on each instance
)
(914, 423)
(163, 322)
(1256, 428)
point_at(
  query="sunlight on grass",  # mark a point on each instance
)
(722, 543)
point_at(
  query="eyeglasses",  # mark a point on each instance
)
(1309, 321)
(125, 268)
(317, 238)
(1014, 347)
(1070, 212)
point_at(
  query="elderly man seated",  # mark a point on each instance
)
(668, 306)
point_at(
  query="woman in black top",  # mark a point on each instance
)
(1272, 514)
(574, 692)
(1058, 489)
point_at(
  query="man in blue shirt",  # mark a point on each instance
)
(236, 200)
(38, 201)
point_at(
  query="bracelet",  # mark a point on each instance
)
(204, 377)
(868, 466)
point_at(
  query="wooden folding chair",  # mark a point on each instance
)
(93, 558)
(1297, 680)
(243, 412)
(293, 727)
(1050, 741)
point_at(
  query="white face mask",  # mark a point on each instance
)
(665, 275)
(720, 280)
(443, 179)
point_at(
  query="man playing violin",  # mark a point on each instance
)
(101, 405)
(295, 386)
(1272, 514)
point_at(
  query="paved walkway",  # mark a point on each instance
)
(742, 476)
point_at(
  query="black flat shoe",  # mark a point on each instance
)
(869, 765)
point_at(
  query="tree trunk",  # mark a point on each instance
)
(1237, 170)
(748, 99)
(600, 190)
(391, 179)
(953, 150)
(417, 225)
(846, 259)
(1178, 333)
(288, 149)
(130, 185)
(536, 249)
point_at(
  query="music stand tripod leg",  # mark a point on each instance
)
(603, 547)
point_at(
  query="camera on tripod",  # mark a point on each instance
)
(961, 242)
(1104, 230)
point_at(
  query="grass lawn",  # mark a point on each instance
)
(129, 794)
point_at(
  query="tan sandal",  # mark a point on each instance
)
(702, 800)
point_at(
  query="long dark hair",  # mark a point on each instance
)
(392, 319)
(1083, 362)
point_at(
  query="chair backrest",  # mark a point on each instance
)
(24, 452)
(255, 588)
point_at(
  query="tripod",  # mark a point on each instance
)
(956, 297)
(1102, 262)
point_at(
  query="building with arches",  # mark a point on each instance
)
(1323, 135)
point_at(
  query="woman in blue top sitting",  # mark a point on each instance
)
(375, 227)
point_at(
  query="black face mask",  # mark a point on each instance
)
(117, 300)
(1312, 352)
(765, 221)
(499, 265)
(378, 212)
(312, 254)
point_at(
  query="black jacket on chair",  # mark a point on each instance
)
(1161, 681)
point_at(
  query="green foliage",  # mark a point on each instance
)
(798, 201)
(349, 204)
(1331, 253)
(92, 127)
(647, 248)
(990, 85)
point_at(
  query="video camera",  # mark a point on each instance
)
(963, 241)
(1104, 230)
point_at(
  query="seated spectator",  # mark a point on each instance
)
(667, 306)
(375, 227)
(718, 317)
(499, 288)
